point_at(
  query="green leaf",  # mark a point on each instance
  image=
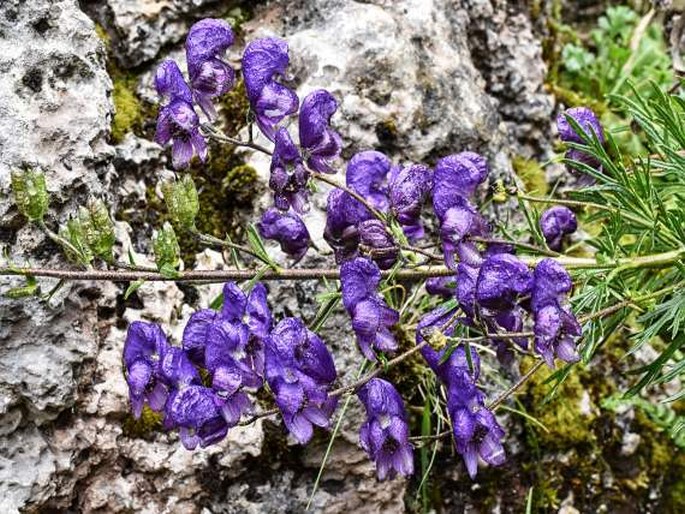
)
(132, 288)
(256, 244)
(29, 289)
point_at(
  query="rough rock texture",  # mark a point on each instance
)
(416, 78)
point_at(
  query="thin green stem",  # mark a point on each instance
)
(58, 239)
(210, 240)
(215, 134)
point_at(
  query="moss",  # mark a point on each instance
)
(235, 108)
(127, 106)
(144, 427)
(531, 174)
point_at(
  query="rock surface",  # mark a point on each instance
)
(416, 78)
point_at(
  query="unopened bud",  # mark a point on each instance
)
(75, 232)
(30, 193)
(100, 235)
(167, 250)
(182, 201)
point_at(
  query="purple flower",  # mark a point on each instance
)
(457, 176)
(320, 143)
(458, 223)
(384, 436)
(556, 333)
(555, 223)
(585, 118)
(476, 433)
(551, 283)
(249, 318)
(287, 229)
(467, 277)
(367, 174)
(408, 188)
(344, 214)
(196, 412)
(300, 371)
(210, 76)
(144, 349)
(178, 122)
(288, 175)
(264, 60)
(170, 83)
(556, 328)
(371, 316)
(378, 243)
(502, 279)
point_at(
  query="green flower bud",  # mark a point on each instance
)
(167, 250)
(182, 201)
(76, 233)
(100, 233)
(30, 193)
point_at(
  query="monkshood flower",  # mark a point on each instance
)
(384, 436)
(578, 156)
(556, 328)
(263, 61)
(177, 120)
(555, 223)
(371, 316)
(584, 117)
(287, 229)
(344, 214)
(210, 75)
(375, 240)
(231, 370)
(144, 349)
(367, 174)
(320, 143)
(195, 411)
(476, 433)
(300, 371)
(249, 316)
(502, 279)
(288, 175)
(407, 190)
(458, 223)
(457, 175)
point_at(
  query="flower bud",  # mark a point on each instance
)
(167, 250)
(99, 229)
(182, 201)
(76, 233)
(30, 193)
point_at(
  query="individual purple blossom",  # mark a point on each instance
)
(476, 433)
(458, 223)
(195, 411)
(407, 190)
(367, 174)
(585, 118)
(178, 123)
(378, 243)
(210, 75)
(579, 157)
(177, 120)
(371, 316)
(502, 279)
(144, 349)
(344, 214)
(263, 61)
(320, 143)
(556, 328)
(286, 228)
(288, 175)
(300, 371)
(455, 176)
(384, 436)
(555, 223)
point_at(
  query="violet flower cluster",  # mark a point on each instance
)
(207, 385)
(204, 387)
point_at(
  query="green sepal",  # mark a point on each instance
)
(30, 193)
